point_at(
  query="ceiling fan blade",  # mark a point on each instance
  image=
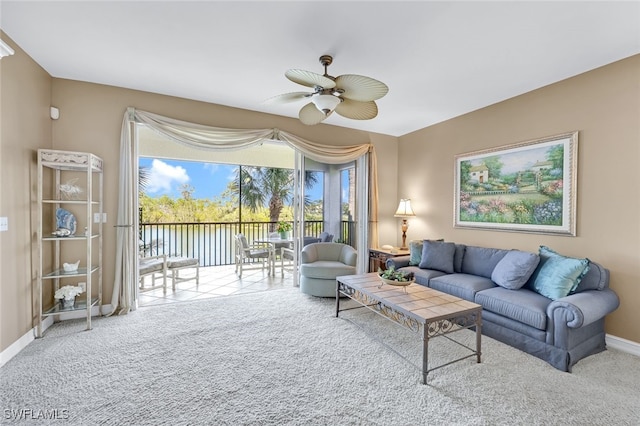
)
(357, 110)
(310, 115)
(361, 88)
(310, 79)
(286, 98)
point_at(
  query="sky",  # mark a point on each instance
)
(208, 179)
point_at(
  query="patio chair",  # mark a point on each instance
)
(247, 255)
(286, 260)
(274, 237)
(177, 263)
(325, 237)
(156, 267)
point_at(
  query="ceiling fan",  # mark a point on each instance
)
(349, 95)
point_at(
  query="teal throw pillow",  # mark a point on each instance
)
(415, 252)
(437, 255)
(557, 275)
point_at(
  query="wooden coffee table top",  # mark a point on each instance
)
(422, 303)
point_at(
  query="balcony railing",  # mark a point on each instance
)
(213, 242)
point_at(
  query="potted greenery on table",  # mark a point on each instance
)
(283, 229)
(392, 277)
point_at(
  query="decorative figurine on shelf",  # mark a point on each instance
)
(69, 190)
(66, 223)
(70, 267)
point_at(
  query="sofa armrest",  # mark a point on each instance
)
(580, 309)
(398, 262)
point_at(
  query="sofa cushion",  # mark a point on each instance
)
(326, 269)
(437, 255)
(556, 276)
(523, 305)
(514, 269)
(461, 285)
(457, 257)
(481, 261)
(415, 252)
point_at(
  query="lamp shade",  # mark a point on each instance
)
(404, 208)
(326, 103)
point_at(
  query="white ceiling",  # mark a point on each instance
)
(439, 59)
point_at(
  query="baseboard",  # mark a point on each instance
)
(623, 345)
(15, 348)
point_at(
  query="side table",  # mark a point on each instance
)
(378, 257)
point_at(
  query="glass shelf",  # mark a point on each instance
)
(80, 305)
(60, 273)
(69, 202)
(69, 238)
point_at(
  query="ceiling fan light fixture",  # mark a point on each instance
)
(326, 103)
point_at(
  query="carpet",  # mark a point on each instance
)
(282, 358)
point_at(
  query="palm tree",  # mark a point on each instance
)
(144, 178)
(260, 186)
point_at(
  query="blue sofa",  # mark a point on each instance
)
(559, 329)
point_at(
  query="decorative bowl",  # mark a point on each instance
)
(70, 267)
(397, 283)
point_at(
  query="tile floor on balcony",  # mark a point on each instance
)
(216, 281)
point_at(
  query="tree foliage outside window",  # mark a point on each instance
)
(265, 194)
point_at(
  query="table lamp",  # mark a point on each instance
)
(404, 211)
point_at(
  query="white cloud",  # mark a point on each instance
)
(163, 177)
(211, 167)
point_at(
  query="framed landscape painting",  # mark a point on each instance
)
(525, 187)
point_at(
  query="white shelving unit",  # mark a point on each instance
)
(56, 168)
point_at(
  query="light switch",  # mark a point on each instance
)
(104, 218)
(96, 218)
(4, 224)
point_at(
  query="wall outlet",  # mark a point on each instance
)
(83, 286)
(96, 217)
(4, 224)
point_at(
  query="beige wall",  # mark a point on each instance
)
(25, 91)
(604, 106)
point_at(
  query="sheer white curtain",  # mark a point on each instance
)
(211, 138)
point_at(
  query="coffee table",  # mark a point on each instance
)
(423, 310)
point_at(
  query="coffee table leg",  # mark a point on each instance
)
(425, 354)
(478, 335)
(337, 298)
